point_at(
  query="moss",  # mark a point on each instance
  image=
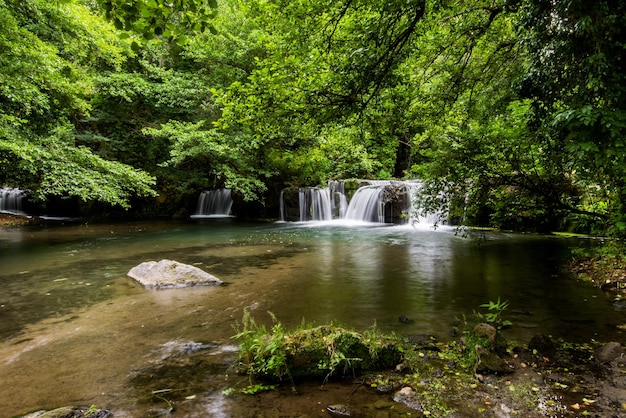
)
(324, 351)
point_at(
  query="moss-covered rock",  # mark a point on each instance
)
(328, 350)
(314, 352)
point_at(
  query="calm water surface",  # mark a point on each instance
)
(74, 330)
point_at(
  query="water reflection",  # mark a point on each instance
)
(65, 297)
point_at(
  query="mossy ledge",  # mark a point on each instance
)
(480, 374)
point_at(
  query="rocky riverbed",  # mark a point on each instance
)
(543, 378)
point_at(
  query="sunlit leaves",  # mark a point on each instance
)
(215, 157)
(33, 77)
(172, 20)
(49, 53)
(52, 165)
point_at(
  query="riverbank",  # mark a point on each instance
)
(7, 219)
(543, 378)
(479, 374)
(604, 266)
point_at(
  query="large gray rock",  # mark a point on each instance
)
(168, 274)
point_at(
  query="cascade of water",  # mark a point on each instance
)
(380, 201)
(367, 205)
(320, 205)
(281, 203)
(338, 199)
(416, 215)
(11, 201)
(314, 204)
(303, 204)
(214, 203)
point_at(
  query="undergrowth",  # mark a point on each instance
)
(327, 351)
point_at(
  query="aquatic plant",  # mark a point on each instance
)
(494, 316)
(323, 351)
(262, 353)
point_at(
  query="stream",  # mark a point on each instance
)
(74, 330)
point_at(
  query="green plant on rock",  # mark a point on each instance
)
(338, 344)
(262, 353)
(311, 352)
(494, 316)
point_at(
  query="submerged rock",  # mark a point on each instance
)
(408, 397)
(338, 411)
(71, 412)
(609, 352)
(542, 344)
(168, 274)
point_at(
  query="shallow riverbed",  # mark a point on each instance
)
(76, 331)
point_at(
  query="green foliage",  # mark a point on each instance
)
(214, 157)
(603, 264)
(262, 354)
(323, 351)
(313, 91)
(250, 389)
(172, 20)
(49, 53)
(53, 166)
(494, 316)
(511, 112)
(578, 89)
(54, 86)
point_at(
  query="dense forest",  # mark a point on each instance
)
(511, 111)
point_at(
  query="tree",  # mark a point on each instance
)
(171, 20)
(577, 84)
(526, 95)
(48, 55)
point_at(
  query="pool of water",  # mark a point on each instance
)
(75, 330)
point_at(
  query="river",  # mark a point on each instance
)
(75, 330)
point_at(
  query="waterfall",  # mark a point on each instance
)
(378, 201)
(312, 203)
(214, 204)
(281, 203)
(338, 199)
(417, 216)
(11, 201)
(367, 205)
(315, 204)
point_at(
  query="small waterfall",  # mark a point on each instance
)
(315, 204)
(338, 199)
(281, 203)
(214, 204)
(11, 201)
(312, 203)
(417, 216)
(378, 201)
(367, 205)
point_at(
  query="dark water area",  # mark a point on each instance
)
(75, 330)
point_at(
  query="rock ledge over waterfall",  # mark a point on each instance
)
(168, 274)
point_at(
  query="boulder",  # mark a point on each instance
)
(542, 345)
(408, 397)
(487, 331)
(168, 274)
(609, 352)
